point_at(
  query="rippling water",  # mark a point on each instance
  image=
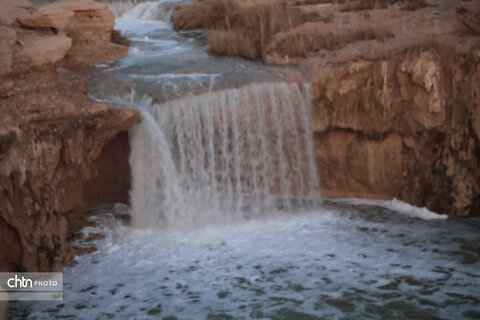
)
(339, 261)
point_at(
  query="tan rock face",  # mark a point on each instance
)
(91, 31)
(404, 127)
(48, 17)
(421, 85)
(50, 132)
(88, 24)
(429, 105)
(7, 41)
(353, 165)
(44, 49)
(13, 10)
(76, 5)
(41, 176)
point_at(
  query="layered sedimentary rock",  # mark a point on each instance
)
(398, 118)
(395, 83)
(403, 127)
(50, 132)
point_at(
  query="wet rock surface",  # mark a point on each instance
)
(50, 131)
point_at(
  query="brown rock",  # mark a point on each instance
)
(427, 97)
(476, 113)
(49, 17)
(111, 181)
(40, 188)
(92, 26)
(470, 15)
(7, 41)
(50, 132)
(91, 31)
(80, 251)
(78, 5)
(426, 93)
(43, 49)
(74, 236)
(11, 10)
(424, 71)
(353, 165)
(11, 253)
(117, 38)
(92, 236)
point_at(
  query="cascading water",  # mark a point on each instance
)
(145, 11)
(223, 155)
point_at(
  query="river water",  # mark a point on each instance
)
(227, 221)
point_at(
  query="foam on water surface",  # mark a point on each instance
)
(397, 206)
(335, 261)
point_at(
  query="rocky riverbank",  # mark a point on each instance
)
(52, 136)
(396, 87)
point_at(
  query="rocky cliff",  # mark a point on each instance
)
(52, 136)
(402, 126)
(396, 88)
(398, 117)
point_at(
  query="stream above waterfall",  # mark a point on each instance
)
(227, 219)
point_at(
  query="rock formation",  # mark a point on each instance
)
(401, 126)
(50, 133)
(397, 117)
(396, 89)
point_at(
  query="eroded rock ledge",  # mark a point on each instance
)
(51, 133)
(398, 117)
(405, 126)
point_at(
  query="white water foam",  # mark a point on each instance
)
(331, 263)
(145, 11)
(222, 156)
(397, 206)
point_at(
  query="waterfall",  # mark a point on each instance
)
(143, 11)
(222, 156)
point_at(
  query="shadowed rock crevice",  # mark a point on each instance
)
(11, 253)
(112, 180)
